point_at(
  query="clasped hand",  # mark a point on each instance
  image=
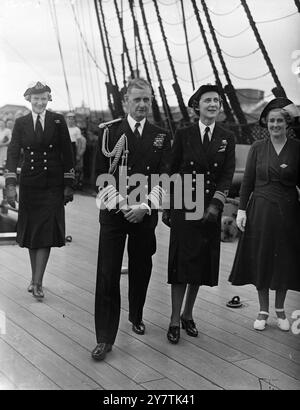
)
(166, 217)
(211, 214)
(68, 194)
(11, 195)
(134, 213)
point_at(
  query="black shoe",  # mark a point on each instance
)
(30, 287)
(173, 334)
(37, 292)
(189, 326)
(100, 351)
(139, 328)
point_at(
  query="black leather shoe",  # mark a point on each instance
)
(37, 292)
(139, 328)
(100, 351)
(189, 326)
(30, 287)
(173, 334)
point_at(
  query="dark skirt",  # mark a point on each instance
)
(194, 251)
(41, 218)
(268, 253)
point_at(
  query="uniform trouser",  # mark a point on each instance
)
(141, 247)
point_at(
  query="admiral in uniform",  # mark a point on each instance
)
(194, 251)
(41, 141)
(141, 148)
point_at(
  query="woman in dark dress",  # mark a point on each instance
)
(46, 179)
(268, 253)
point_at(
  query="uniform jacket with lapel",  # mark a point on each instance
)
(46, 163)
(217, 164)
(147, 155)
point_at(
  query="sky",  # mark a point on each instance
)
(29, 49)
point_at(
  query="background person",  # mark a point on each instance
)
(5, 137)
(268, 253)
(46, 179)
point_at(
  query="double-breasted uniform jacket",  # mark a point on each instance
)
(146, 155)
(195, 246)
(46, 168)
(46, 163)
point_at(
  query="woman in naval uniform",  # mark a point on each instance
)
(46, 179)
(194, 251)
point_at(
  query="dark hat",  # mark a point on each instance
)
(279, 102)
(36, 88)
(206, 88)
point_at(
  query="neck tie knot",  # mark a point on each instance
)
(206, 138)
(38, 128)
(136, 129)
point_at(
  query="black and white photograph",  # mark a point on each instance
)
(149, 198)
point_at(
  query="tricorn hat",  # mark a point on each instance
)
(279, 102)
(36, 88)
(206, 88)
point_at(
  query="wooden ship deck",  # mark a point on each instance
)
(46, 346)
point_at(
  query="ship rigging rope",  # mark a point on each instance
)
(102, 105)
(249, 79)
(84, 58)
(85, 43)
(232, 35)
(242, 56)
(33, 68)
(56, 29)
(88, 62)
(227, 13)
(184, 43)
(177, 22)
(82, 61)
(276, 19)
(168, 3)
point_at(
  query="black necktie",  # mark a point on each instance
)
(38, 129)
(136, 130)
(206, 139)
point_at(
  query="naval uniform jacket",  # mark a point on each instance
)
(147, 155)
(46, 168)
(194, 251)
(46, 163)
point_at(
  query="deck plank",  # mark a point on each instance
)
(47, 345)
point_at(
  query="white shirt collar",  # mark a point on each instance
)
(42, 117)
(202, 129)
(132, 123)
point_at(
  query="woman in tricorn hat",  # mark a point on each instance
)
(47, 175)
(206, 150)
(268, 253)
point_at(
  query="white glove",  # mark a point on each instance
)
(241, 219)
